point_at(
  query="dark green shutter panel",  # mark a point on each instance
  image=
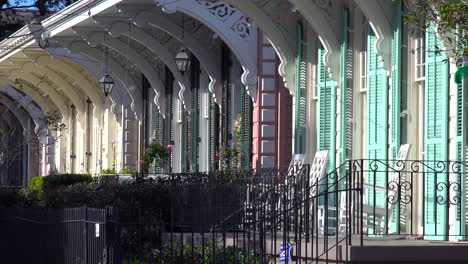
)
(395, 98)
(213, 140)
(184, 141)
(246, 130)
(326, 111)
(300, 100)
(157, 131)
(377, 120)
(168, 127)
(226, 100)
(195, 116)
(346, 106)
(436, 132)
(460, 140)
(396, 79)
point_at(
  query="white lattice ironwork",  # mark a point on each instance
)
(317, 168)
(296, 164)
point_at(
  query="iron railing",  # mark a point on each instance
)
(256, 216)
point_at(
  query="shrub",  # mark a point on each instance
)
(108, 171)
(53, 182)
(171, 253)
(126, 170)
(35, 190)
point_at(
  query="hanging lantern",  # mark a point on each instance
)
(462, 72)
(107, 84)
(182, 60)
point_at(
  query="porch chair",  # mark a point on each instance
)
(374, 216)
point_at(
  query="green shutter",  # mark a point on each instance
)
(460, 140)
(396, 96)
(213, 139)
(344, 102)
(377, 119)
(300, 101)
(396, 79)
(246, 130)
(436, 133)
(168, 136)
(195, 116)
(326, 111)
(226, 131)
(183, 140)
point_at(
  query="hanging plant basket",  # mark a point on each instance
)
(462, 72)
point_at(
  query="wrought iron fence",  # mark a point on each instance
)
(261, 216)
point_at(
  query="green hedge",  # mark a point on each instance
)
(53, 182)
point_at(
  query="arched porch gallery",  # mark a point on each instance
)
(232, 84)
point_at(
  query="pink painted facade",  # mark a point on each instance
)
(272, 112)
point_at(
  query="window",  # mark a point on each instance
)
(420, 60)
(363, 70)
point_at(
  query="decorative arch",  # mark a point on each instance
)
(94, 68)
(76, 45)
(95, 36)
(23, 118)
(89, 88)
(58, 100)
(29, 67)
(326, 27)
(284, 49)
(381, 25)
(233, 27)
(26, 102)
(144, 18)
(119, 27)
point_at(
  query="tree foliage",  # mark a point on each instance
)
(42, 6)
(449, 17)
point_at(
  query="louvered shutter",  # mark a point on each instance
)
(396, 97)
(377, 121)
(461, 148)
(213, 139)
(396, 79)
(195, 116)
(300, 101)
(226, 100)
(435, 132)
(246, 130)
(346, 106)
(326, 111)
(184, 140)
(168, 127)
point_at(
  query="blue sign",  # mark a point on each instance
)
(285, 253)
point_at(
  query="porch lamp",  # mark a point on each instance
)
(462, 71)
(107, 84)
(182, 60)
